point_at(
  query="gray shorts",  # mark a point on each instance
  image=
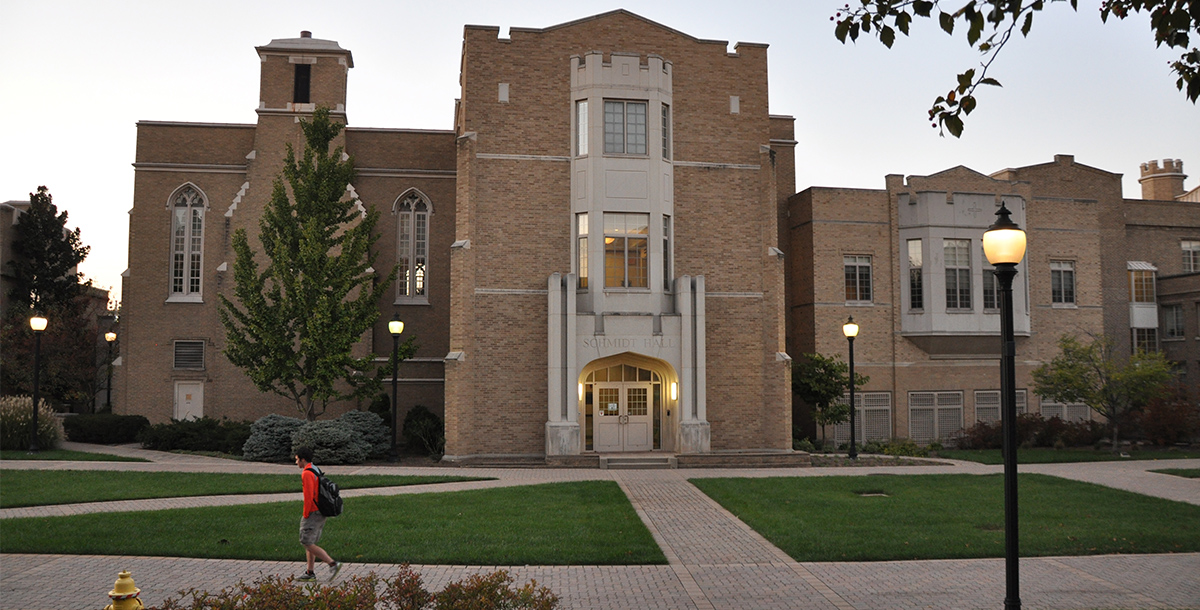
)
(310, 528)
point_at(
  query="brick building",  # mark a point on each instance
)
(598, 228)
(907, 262)
(593, 258)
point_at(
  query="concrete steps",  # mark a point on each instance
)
(638, 462)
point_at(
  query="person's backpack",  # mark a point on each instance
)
(329, 498)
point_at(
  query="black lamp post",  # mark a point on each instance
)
(850, 329)
(395, 326)
(110, 337)
(38, 324)
(1004, 246)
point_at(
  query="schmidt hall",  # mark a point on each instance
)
(607, 254)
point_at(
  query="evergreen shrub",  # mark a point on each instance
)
(16, 421)
(423, 431)
(271, 439)
(104, 428)
(371, 429)
(332, 442)
(203, 434)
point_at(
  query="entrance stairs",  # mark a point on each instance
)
(643, 461)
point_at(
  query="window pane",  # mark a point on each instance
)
(614, 262)
(581, 128)
(614, 127)
(666, 252)
(635, 128)
(583, 262)
(639, 269)
(666, 131)
(1191, 255)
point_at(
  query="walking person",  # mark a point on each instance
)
(313, 521)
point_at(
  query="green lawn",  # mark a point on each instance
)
(1189, 473)
(1044, 455)
(586, 523)
(42, 487)
(951, 516)
(66, 455)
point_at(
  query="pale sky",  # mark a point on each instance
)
(77, 75)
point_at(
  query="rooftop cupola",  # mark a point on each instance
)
(299, 74)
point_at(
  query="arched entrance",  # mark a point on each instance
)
(626, 404)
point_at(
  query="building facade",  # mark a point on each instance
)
(606, 253)
(907, 262)
(596, 232)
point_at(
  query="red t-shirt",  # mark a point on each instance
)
(309, 480)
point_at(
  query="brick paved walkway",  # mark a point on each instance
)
(715, 560)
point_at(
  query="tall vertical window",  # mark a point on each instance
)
(666, 256)
(916, 283)
(301, 84)
(957, 255)
(991, 296)
(1062, 282)
(187, 239)
(1191, 255)
(858, 278)
(1145, 339)
(581, 128)
(625, 127)
(412, 246)
(1141, 286)
(666, 131)
(581, 232)
(1172, 321)
(626, 252)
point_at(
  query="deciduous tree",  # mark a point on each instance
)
(45, 257)
(821, 382)
(294, 322)
(1090, 373)
(990, 24)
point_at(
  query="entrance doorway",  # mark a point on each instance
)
(189, 400)
(625, 404)
(623, 421)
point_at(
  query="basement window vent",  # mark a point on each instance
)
(189, 355)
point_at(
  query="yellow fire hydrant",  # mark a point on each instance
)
(124, 594)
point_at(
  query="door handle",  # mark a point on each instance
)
(624, 419)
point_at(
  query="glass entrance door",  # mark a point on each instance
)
(623, 420)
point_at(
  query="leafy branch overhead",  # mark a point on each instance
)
(990, 24)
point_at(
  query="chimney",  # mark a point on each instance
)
(1163, 183)
(305, 34)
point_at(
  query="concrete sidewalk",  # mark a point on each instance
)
(715, 560)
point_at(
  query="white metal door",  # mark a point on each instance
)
(623, 419)
(189, 400)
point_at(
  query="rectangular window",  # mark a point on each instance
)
(666, 131)
(666, 255)
(626, 255)
(987, 405)
(581, 128)
(581, 232)
(858, 278)
(991, 294)
(1062, 282)
(1191, 255)
(189, 355)
(934, 415)
(625, 127)
(301, 85)
(873, 412)
(1172, 322)
(957, 254)
(1145, 339)
(916, 284)
(1141, 286)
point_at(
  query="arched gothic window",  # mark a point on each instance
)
(412, 247)
(187, 238)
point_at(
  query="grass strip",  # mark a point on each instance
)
(67, 456)
(43, 487)
(1187, 473)
(899, 517)
(1047, 455)
(584, 523)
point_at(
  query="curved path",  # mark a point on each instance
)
(715, 560)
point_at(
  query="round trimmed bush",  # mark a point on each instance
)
(16, 420)
(271, 439)
(372, 430)
(332, 442)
